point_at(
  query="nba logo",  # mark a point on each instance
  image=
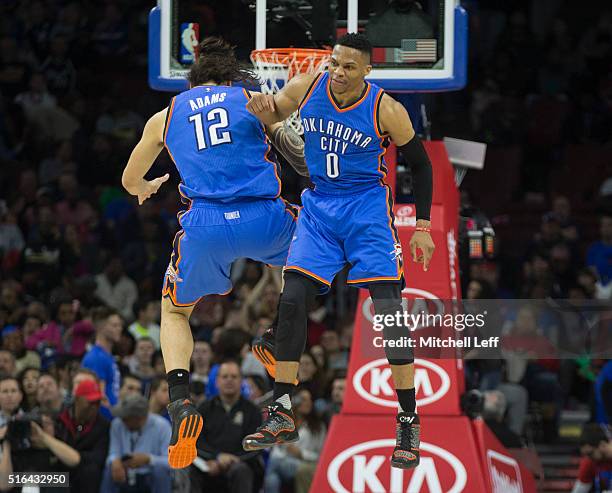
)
(190, 35)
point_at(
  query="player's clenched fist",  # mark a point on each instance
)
(260, 103)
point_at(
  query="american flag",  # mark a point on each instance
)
(417, 50)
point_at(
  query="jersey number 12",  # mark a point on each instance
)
(216, 133)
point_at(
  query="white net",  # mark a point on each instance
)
(275, 67)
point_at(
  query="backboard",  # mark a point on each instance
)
(418, 46)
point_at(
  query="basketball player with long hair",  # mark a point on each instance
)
(230, 181)
(346, 218)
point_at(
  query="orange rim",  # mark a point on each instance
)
(292, 58)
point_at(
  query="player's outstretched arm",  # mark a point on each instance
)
(395, 122)
(273, 109)
(142, 158)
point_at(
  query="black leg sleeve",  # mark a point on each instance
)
(297, 297)
(387, 299)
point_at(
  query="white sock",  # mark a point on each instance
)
(285, 400)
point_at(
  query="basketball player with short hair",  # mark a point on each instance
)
(230, 180)
(347, 217)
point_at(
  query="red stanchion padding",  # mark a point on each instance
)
(503, 473)
(355, 458)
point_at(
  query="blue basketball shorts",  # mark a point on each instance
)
(213, 235)
(358, 229)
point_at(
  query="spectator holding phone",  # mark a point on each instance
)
(138, 453)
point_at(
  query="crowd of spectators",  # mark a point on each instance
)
(81, 265)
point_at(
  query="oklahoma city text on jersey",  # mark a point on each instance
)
(338, 137)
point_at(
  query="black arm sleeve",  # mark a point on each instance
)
(422, 176)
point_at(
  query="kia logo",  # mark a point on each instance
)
(404, 211)
(380, 390)
(404, 216)
(365, 467)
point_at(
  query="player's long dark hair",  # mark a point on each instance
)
(217, 62)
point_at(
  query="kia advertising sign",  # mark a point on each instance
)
(373, 383)
(357, 460)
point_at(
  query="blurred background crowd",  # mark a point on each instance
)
(81, 265)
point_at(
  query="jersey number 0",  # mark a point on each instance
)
(216, 134)
(332, 164)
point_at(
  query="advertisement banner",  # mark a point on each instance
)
(357, 459)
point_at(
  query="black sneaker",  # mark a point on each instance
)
(406, 454)
(186, 427)
(279, 427)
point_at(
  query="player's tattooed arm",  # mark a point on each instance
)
(273, 109)
(290, 145)
(142, 158)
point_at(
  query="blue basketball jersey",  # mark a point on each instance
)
(344, 147)
(219, 148)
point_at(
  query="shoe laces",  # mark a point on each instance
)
(407, 435)
(277, 420)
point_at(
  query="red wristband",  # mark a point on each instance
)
(422, 228)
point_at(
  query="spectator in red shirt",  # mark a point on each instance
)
(595, 470)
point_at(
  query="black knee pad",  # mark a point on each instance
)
(397, 355)
(298, 294)
(387, 299)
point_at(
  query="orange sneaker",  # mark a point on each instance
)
(186, 427)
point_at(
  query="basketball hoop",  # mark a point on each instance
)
(276, 66)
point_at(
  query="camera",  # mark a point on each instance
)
(19, 433)
(472, 403)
